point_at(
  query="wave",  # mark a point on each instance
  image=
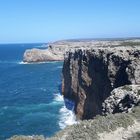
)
(59, 67)
(58, 98)
(23, 63)
(66, 116)
(26, 63)
(31, 107)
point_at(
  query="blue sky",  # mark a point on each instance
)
(49, 20)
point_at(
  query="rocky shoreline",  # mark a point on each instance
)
(103, 80)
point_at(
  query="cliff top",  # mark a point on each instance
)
(56, 50)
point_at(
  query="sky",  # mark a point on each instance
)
(28, 21)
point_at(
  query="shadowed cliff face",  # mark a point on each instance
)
(89, 76)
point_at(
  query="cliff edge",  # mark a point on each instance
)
(89, 76)
(55, 51)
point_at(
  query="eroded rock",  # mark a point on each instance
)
(56, 50)
(122, 99)
(89, 76)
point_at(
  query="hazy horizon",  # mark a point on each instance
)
(47, 21)
(72, 39)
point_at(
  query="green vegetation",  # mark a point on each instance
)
(89, 129)
(127, 88)
(130, 43)
(138, 92)
(135, 136)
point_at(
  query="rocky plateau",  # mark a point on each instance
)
(55, 51)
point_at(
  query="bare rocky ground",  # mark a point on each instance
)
(57, 50)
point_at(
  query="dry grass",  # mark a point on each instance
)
(89, 130)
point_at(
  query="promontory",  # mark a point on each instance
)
(55, 51)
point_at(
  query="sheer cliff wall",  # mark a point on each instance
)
(89, 76)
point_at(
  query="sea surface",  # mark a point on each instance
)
(30, 95)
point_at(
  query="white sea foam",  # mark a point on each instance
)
(21, 62)
(59, 67)
(25, 63)
(67, 117)
(58, 98)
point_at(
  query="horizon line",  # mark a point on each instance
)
(74, 39)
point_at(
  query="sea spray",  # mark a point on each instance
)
(25, 63)
(67, 116)
(45, 62)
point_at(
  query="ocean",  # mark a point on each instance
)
(30, 95)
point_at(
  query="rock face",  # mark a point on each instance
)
(41, 55)
(122, 99)
(89, 76)
(56, 50)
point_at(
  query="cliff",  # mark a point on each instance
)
(104, 83)
(56, 50)
(89, 76)
(42, 55)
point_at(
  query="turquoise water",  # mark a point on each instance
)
(30, 101)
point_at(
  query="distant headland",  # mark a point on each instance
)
(56, 51)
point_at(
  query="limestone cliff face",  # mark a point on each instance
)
(55, 51)
(42, 55)
(89, 76)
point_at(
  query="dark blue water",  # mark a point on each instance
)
(30, 101)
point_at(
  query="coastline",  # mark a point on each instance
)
(92, 78)
(45, 62)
